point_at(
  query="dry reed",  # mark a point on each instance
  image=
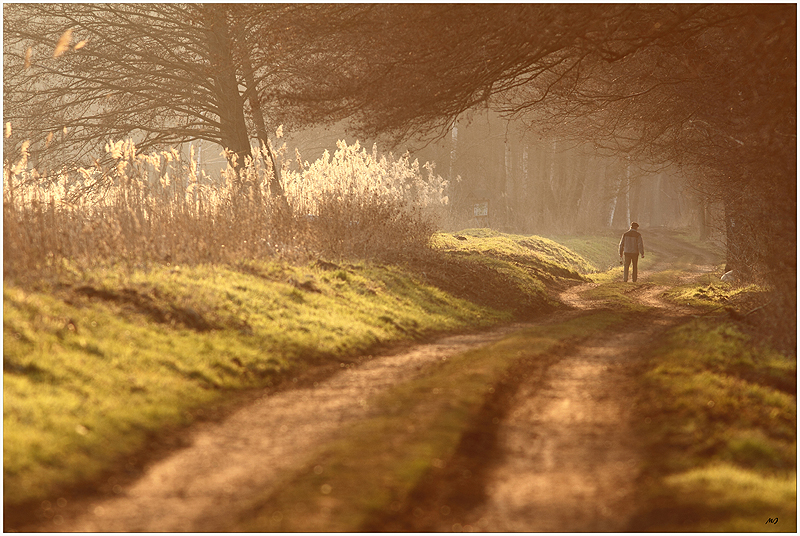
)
(158, 208)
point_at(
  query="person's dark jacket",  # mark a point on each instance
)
(631, 242)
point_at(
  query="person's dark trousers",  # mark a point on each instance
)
(631, 258)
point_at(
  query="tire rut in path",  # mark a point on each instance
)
(565, 457)
(570, 458)
(205, 485)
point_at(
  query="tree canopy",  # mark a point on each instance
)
(710, 87)
(77, 75)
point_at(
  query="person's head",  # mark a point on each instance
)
(634, 225)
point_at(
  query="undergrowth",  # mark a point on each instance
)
(160, 209)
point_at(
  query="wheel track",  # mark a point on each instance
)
(205, 485)
(569, 455)
(566, 457)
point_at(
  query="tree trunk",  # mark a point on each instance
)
(508, 186)
(734, 258)
(628, 191)
(525, 190)
(701, 220)
(275, 188)
(635, 189)
(453, 151)
(551, 203)
(616, 188)
(230, 105)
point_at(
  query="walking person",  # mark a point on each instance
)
(631, 245)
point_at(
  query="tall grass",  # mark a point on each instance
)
(158, 208)
(363, 204)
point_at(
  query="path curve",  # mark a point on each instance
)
(204, 486)
(568, 455)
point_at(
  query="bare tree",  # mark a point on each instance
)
(77, 75)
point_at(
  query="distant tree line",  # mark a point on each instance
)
(535, 184)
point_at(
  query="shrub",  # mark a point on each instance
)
(361, 205)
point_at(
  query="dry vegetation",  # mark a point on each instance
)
(158, 208)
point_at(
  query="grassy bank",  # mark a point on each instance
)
(535, 251)
(98, 364)
(90, 369)
(719, 418)
(599, 250)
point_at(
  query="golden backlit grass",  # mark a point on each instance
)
(540, 252)
(712, 295)
(734, 499)
(94, 365)
(160, 209)
(719, 418)
(600, 249)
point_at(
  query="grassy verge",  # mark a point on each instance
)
(538, 253)
(372, 467)
(92, 367)
(536, 249)
(99, 364)
(599, 250)
(719, 420)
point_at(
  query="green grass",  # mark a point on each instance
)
(98, 364)
(415, 428)
(95, 366)
(617, 295)
(738, 500)
(535, 250)
(600, 251)
(720, 417)
(712, 295)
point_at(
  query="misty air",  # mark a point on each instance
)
(399, 267)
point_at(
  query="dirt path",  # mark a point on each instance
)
(202, 487)
(568, 458)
